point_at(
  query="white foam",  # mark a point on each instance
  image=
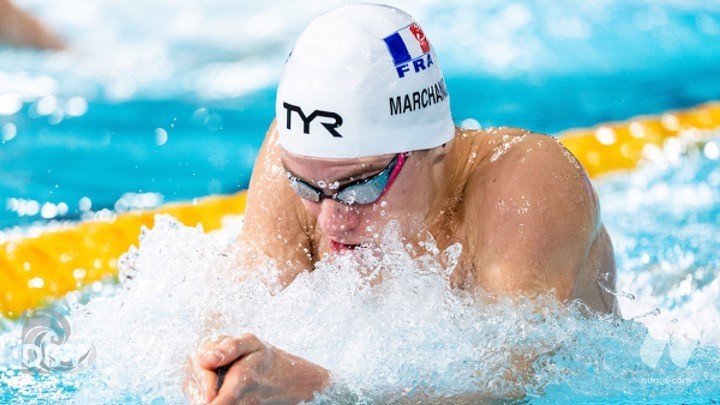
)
(385, 324)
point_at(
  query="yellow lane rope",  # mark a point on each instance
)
(34, 270)
(620, 145)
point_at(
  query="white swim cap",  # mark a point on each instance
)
(362, 80)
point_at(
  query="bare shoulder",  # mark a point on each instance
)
(518, 165)
(275, 223)
(535, 212)
(270, 201)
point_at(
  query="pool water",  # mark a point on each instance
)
(174, 99)
(151, 106)
(411, 333)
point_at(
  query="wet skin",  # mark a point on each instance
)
(520, 204)
(20, 29)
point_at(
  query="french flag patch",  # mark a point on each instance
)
(410, 49)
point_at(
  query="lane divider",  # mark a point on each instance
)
(621, 145)
(35, 270)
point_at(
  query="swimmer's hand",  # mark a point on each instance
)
(256, 373)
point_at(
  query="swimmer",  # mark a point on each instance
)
(363, 136)
(17, 28)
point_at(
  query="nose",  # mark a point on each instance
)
(337, 219)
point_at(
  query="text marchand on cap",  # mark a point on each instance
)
(416, 100)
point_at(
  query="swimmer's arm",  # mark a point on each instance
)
(275, 226)
(255, 372)
(272, 230)
(538, 216)
(20, 29)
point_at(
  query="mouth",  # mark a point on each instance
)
(338, 247)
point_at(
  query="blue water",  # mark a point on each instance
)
(211, 144)
(179, 111)
(543, 67)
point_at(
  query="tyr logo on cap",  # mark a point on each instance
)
(307, 119)
(409, 46)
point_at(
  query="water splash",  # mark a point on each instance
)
(387, 324)
(505, 144)
(660, 217)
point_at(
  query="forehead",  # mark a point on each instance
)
(333, 169)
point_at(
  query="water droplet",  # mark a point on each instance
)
(36, 282)
(470, 123)
(605, 135)
(10, 103)
(76, 107)
(8, 132)
(79, 274)
(161, 136)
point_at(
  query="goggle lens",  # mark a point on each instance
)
(304, 190)
(363, 192)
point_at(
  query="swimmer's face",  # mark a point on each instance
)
(354, 224)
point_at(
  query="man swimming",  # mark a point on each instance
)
(364, 136)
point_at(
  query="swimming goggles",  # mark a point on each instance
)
(363, 191)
